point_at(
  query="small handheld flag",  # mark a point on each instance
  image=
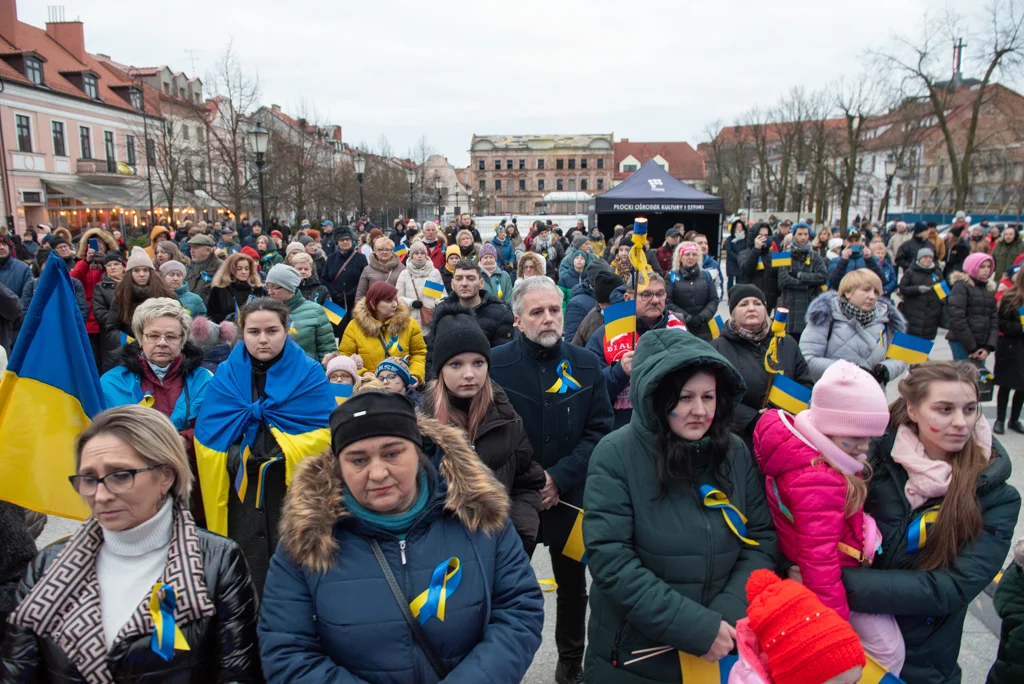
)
(789, 395)
(717, 325)
(875, 673)
(640, 231)
(400, 250)
(433, 290)
(291, 327)
(620, 319)
(1020, 312)
(335, 314)
(941, 289)
(696, 670)
(780, 259)
(780, 321)
(126, 339)
(908, 348)
(760, 264)
(342, 393)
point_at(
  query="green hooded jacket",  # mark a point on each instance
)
(313, 330)
(1009, 602)
(666, 569)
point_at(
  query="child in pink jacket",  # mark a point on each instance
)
(816, 474)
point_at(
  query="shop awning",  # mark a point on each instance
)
(95, 195)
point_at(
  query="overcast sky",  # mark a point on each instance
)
(650, 70)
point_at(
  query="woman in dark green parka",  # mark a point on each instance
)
(939, 452)
(668, 570)
(1009, 601)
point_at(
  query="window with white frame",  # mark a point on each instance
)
(23, 128)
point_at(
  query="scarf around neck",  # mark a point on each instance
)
(756, 336)
(382, 267)
(419, 271)
(856, 313)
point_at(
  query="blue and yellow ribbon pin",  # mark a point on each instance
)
(917, 533)
(565, 381)
(167, 636)
(443, 582)
(737, 522)
(147, 400)
(393, 346)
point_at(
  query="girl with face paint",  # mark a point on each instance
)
(816, 480)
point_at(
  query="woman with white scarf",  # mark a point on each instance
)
(418, 270)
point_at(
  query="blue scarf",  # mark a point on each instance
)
(397, 525)
(296, 409)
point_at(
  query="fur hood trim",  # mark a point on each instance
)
(962, 277)
(826, 306)
(371, 327)
(99, 233)
(130, 353)
(314, 501)
(527, 257)
(64, 233)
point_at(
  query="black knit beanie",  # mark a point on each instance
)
(605, 283)
(374, 413)
(456, 332)
(740, 292)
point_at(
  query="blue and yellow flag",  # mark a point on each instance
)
(126, 339)
(696, 670)
(941, 289)
(298, 404)
(717, 325)
(638, 255)
(335, 314)
(1020, 312)
(875, 673)
(574, 547)
(619, 319)
(400, 250)
(908, 348)
(342, 393)
(789, 395)
(49, 393)
(434, 290)
(780, 259)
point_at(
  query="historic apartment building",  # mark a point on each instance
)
(512, 174)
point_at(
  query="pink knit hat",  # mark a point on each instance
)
(974, 262)
(343, 363)
(848, 402)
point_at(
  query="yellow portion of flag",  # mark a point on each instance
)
(574, 547)
(37, 419)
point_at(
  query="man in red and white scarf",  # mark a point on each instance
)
(617, 353)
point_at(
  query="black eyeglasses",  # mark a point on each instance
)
(117, 482)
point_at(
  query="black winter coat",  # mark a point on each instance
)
(799, 284)
(766, 279)
(692, 295)
(223, 300)
(103, 309)
(930, 606)
(1009, 604)
(973, 321)
(343, 287)
(313, 291)
(563, 429)
(921, 306)
(502, 444)
(16, 552)
(10, 317)
(1009, 368)
(492, 315)
(221, 639)
(748, 358)
(956, 254)
(906, 256)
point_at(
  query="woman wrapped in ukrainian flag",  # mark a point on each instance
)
(267, 408)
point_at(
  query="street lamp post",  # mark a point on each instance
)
(360, 165)
(750, 198)
(801, 178)
(890, 174)
(259, 138)
(437, 186)
(410, 176)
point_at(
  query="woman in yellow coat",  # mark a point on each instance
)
(381, 327)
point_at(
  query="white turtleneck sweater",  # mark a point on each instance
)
(129, 563)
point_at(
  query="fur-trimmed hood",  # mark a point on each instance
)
(129, 357)
(962, 277)
(826, 306)
(371, 327)
(527, 257)
(99, 233)
(314, 501)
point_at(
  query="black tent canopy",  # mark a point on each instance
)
(664, 200)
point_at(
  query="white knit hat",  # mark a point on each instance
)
(138, 257)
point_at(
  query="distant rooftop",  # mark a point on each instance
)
(540, 142)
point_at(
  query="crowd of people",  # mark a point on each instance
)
(330, 454)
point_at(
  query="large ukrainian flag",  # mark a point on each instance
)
(49, 393)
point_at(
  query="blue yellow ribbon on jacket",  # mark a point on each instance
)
(737, 522)
(393, 346)
(917, 533)
(167, 635)
(443, 582)
(297, 405)
(778, 329)
(565, 381)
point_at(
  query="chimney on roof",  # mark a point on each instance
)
(275, 108)
(9, 20)
(70, 34)
(625, 140)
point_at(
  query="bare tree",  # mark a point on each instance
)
(298, 151)
(854, 101)
(729, 164)
(917, 65)
(234, 97)
(174, 150)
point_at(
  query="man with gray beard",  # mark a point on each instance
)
(559, 391)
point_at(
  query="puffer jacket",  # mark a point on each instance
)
(492, 315)
(328, 614)
(216, 610)
(190, 301)
(410, 289)
(313, 330)
(1009, 370)
(77, 288)
(830, 335)
(666, 570)
(921, 305)
(502, 444)
(313, 291)
(89, 274)
(747, 357)
(693, 298)
(581, 303)
(799, 284)
(930, 606)
(839, 267)
(341, 274)
(808, 497)
(1009, 604)
(973, 320)
(376, 272)
(224, 301)
(103, 308)
(1006, 253)
(499, 284)
(756, 269)
(367, 336)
